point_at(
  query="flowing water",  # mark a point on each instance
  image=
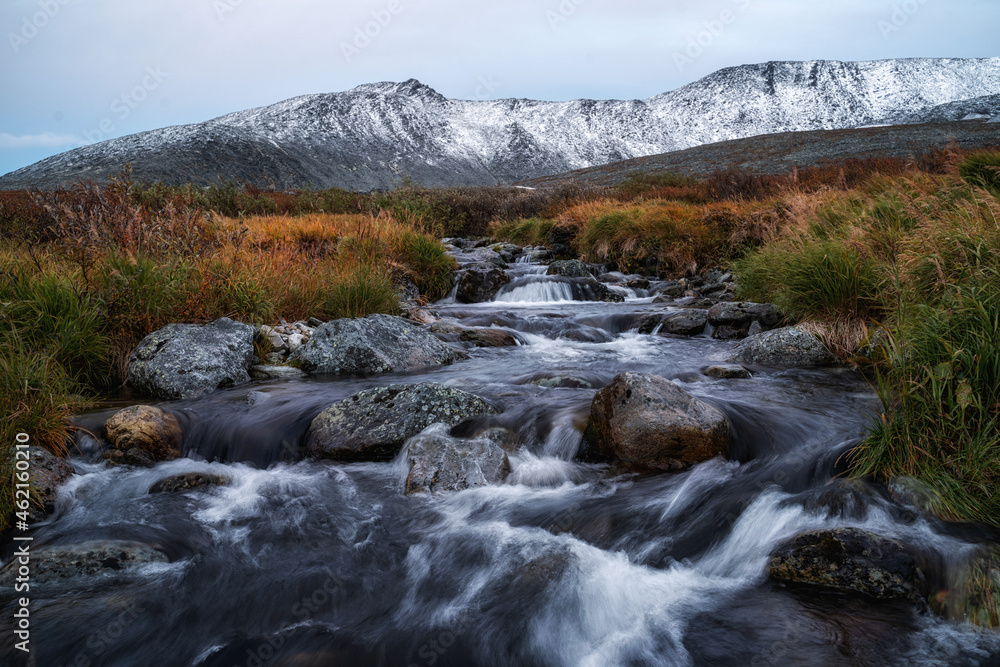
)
(305, 563)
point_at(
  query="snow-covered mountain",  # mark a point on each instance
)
(378, 135)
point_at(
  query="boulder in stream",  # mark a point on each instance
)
(85, 559)
(479, 283)
(188, 360)
(690, 322)
(571, 268)
(849, 559)
(488, 337)
(440, 462)
(650, 421)
(789, 346)
(142, 434)
(372, 425)
(187, 481)
(372, 345)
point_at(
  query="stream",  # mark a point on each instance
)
(300, 563)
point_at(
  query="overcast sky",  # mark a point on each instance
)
(79, 71)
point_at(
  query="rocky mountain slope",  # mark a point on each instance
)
(378, 135)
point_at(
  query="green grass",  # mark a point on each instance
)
(529, 231)
(982, 170)
(367, 289)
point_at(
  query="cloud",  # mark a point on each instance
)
(44, 140)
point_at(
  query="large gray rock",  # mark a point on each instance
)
(734, 320)
(188, 360)
(439, 462)
(47, 472)
(372, 425)
(479, 283)
(571, 268)
(372, 345)
(848, 559)
(86, 559)
(648, 420)
(488, 256)
(789, 346)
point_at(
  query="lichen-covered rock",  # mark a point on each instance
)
(487, 256)
(372, 425)
(187, 481)
(789, 346)
(46, 473)
(733, 320)
(276, 373)
(571, 268)
(648, 420)
(479, 283)
(372, 345)
(439, 462)
(188, 360)
(848, 559)
(145, 428)
(86, 559)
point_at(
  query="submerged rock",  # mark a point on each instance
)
(188, 360)
(479, 283)
(187, 481)
(728, 372)
(648, 420)
(488, 337)
(372, 425)
(790, 346)
(86, 559)
(373, 345)
(439, 462)
(849, 559)
(146, 429)
(276, 373)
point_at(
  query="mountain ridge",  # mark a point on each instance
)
(378, 135)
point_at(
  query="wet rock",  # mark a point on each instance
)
(146, 429)
(593, 290)
(668, 292)
(47, 472)
(372, 345)
(188, 360)
(439, 462)
(728, 372)
(571, 268)
(648, 420)
(789, 346)
(479, 283)
(276, 373)
(372, 425)
(561, 240)
(187, 481)
(851, 560)
(86, 559)
(686, 323)
(562, 382)
(487, 256)
(733, 320)
(508, 251)
(538, 255)
(488, 337)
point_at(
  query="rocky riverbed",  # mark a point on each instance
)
(557, 465)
